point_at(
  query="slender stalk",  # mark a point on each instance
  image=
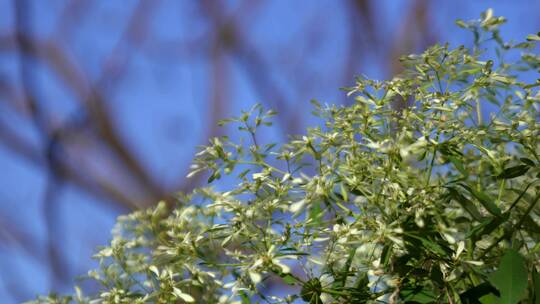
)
(501, 190)
(478, 112)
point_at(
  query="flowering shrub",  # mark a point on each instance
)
(411, 194)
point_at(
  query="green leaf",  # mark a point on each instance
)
(532, 85)
(510, 278)
(466, 204)
(215, 175)
(315, 214)
(461, 23)
(533, 37)
(269, 147)
(530, 225)
(473, 294)
(515, 171)
(339, 283)
(485, 199)
(245, 297)
(489, 299)
(429, 245)
(503, 79)
(244, 173)
(288, 279)
(459, 165)
(386, 254)
(527, 161)
(523, 45)
(488, 226)
(344, 192)
(315, 103)
(536, 282)
(488, 67)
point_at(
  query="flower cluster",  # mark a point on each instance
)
(424, 190)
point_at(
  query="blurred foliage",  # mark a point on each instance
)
(430, 203)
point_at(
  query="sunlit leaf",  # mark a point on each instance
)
(511, 277)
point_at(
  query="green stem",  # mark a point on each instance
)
(501, 190)
(244, 162)
(479, 112)
(335, 292)
(431, 163)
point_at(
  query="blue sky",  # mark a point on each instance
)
(161, 99)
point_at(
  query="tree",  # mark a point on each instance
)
(428, 203)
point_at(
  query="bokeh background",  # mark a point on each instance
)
(103, 103)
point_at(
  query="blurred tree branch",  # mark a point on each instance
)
(75, 151)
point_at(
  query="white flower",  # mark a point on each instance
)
(297, 206)
(184, 296)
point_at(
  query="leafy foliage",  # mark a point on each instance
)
(511, 277)
(411, 194)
